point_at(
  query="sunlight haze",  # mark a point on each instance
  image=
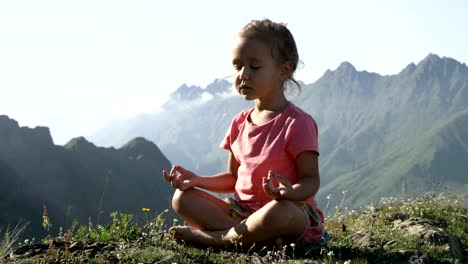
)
(74, 65)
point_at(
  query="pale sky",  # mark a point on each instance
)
(74, 65)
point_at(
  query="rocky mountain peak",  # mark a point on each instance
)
(346, 67)
(193, 92)
(218, 86)
(433, 66)
(408, 69)
(11, 134)
(431, 58)
(140, 146)
(6, 122)
(80, 144)
(187, 93)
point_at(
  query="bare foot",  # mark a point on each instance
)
(194, 236)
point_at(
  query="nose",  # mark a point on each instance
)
(244, 73)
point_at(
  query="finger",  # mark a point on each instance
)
(181, 182)
(174, 181)
(282, 179)
(267, 191)
(271, 193)
(166, 176)
(271, 189)
(173, 171)
(175, 184)
(270, 183)
(265, 183)
(179, 169)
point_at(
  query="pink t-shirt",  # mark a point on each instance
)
(271, 146)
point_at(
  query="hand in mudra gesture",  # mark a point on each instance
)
(181, 178)
(276, 193)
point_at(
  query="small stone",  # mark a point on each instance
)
(77, 245)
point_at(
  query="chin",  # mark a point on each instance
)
(248, 97)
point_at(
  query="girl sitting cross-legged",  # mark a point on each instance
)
(273, 156)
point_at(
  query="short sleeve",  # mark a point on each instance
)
(233, 130)
(226, 142)
(302, 135)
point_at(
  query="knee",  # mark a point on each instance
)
(278, 214)
(179, 199)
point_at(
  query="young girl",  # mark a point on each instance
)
(273, 156)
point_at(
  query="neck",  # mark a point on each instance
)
(273, 104)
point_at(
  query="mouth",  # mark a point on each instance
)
(244, 88)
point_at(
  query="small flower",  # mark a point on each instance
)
(145, 210)
(331, 254)
(347, 262)
(293, 245)
(329, 197)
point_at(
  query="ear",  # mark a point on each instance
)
(285, 71)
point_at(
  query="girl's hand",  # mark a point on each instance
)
(276, 193)
(181, 178)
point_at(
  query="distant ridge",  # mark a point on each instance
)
(71, 180)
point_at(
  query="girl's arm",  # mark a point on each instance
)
(222, 182)
(307, 185)
(309, 178)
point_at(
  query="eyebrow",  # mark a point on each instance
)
(250, 60)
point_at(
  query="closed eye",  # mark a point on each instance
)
(237, 67)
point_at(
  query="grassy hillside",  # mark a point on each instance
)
(428, 229)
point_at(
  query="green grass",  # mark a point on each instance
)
(151, 243)
(9, 237)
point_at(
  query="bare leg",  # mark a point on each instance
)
(277, 218)
(202, 210)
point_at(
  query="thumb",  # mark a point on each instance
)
(282, 179)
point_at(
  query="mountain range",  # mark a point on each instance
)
(76, 181)
(396, 135)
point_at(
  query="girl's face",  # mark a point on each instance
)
(256, 73)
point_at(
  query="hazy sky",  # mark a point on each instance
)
(73, 65)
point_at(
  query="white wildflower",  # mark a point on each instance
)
(331, 254)
(347, 262)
